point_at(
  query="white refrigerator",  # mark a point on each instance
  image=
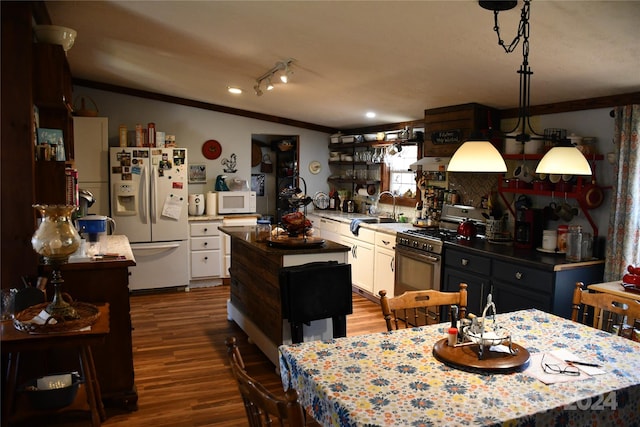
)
(149, 204)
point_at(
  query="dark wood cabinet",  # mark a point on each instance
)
(37, 75)
(516, 283)
(446, 128)
(472, 269)
(108, 282)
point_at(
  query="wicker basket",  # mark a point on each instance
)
(82, 110)
(88, 313)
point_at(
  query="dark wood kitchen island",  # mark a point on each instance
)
(256, 301)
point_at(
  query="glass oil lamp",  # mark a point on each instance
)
(55, 240)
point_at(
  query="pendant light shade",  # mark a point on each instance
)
(564, 159)
(477, 156)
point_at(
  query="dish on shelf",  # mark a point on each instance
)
(551, 251)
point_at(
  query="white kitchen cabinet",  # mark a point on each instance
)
(384, 266)
(361, 256)
(91, 156)
(329, 229)
(205, 249)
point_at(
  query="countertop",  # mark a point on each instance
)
(117, 244)
(247, 234)
(506, 252)
(390, 228)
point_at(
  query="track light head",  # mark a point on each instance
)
(268, 76)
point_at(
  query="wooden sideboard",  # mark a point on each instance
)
(107, 281)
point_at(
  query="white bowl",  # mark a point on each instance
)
(54, 34)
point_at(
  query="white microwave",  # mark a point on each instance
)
(235, 202)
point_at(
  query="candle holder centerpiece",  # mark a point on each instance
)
(485, 332)
(55, 240)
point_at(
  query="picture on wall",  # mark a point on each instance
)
(197, 174)
(257, 183)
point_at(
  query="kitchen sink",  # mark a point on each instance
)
(381, 220)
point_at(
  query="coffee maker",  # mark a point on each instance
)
(528, 228)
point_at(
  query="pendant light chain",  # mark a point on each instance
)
(523, 31)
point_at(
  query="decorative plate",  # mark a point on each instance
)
(321, 200)
(211, 149)
(315, 167)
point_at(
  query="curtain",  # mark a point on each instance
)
(623, 235)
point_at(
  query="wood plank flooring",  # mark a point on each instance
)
(181, 369)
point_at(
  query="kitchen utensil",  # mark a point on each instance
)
(566, 212)
(523, 202)
(555, 178)
(467, 230)
(196, 204)
(592, 195)
(550, 212)
(523, 173)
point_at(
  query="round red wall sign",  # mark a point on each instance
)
(211, 149)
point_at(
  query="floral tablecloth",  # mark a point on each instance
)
(393, 379)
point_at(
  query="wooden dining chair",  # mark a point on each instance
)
(600, 310)
(412, 307)
(263, 407)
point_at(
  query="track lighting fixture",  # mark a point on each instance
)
(283, 67)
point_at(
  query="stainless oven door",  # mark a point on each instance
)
(416, 270)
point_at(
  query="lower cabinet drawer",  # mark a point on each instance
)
(205, 243)
(470, 263)
(536, 280)
(205, 264)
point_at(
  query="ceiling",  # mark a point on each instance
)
(396, 58)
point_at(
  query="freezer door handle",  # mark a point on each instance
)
(145, 195)
(154, 195)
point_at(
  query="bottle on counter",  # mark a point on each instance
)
(562, 237)
(263, 230)
(336, 201)
(418, 212)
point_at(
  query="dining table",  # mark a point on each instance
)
(394, 379)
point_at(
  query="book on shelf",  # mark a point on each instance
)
(72, 187)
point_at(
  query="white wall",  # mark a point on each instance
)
(193, 126)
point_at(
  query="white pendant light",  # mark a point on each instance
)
(564, 159)
(477, 156)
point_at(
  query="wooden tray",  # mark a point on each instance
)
(294, 242)
(466, 358)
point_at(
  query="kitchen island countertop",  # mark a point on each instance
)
(247, 234)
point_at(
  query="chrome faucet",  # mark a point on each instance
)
(394, 201)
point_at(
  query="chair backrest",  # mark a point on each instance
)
(412, 307)
(633, 317)
(601, 310)
(263, 408)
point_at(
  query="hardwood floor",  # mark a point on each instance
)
(181, 369)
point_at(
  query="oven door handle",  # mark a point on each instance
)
(432, 258)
